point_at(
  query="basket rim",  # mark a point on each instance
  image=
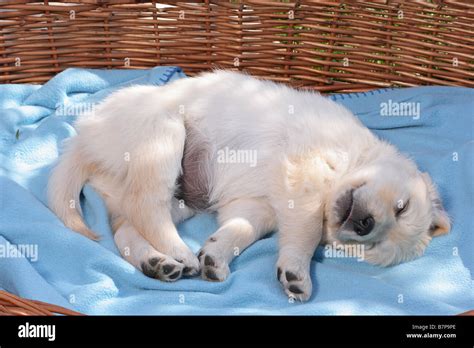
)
(11, 304)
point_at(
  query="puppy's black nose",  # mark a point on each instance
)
(364, 226)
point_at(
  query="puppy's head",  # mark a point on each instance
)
(388, 206)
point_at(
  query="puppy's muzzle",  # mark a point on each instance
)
(356, 217)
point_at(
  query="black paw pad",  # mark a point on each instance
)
(294, 289)
(208, 261)
(212, 239)
(153, 261)
(174, 275)
(211, 275)
(148, 271)
(167, 269)
(290, 276)
(278, 273)
(190, 271)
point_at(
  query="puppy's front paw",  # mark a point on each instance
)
(162, 267)
(213, 267)
(295, 280)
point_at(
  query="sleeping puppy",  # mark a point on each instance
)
(264, 157)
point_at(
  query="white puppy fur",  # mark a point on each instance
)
(317, 175)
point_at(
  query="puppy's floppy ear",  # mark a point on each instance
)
(441, 223)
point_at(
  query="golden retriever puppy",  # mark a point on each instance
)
(263, 156)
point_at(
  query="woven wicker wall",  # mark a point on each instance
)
(328, 45)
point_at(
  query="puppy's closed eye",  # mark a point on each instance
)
(401, 208)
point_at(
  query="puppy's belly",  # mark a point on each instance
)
(194, 182)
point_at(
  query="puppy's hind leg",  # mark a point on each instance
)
(180, 211)
(149, 186)
(136, 250)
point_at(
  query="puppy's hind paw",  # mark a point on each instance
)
(213, 268)
(296, 283)
(162, 268)
(186, 257)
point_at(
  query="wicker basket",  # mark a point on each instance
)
(328, 45)
(344, 45)
(14, 305)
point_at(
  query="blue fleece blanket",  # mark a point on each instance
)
(41, 259)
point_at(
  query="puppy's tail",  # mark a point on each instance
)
(64, 188)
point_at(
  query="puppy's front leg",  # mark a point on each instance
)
(242, 222)
(298, 202)
(300, 231)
